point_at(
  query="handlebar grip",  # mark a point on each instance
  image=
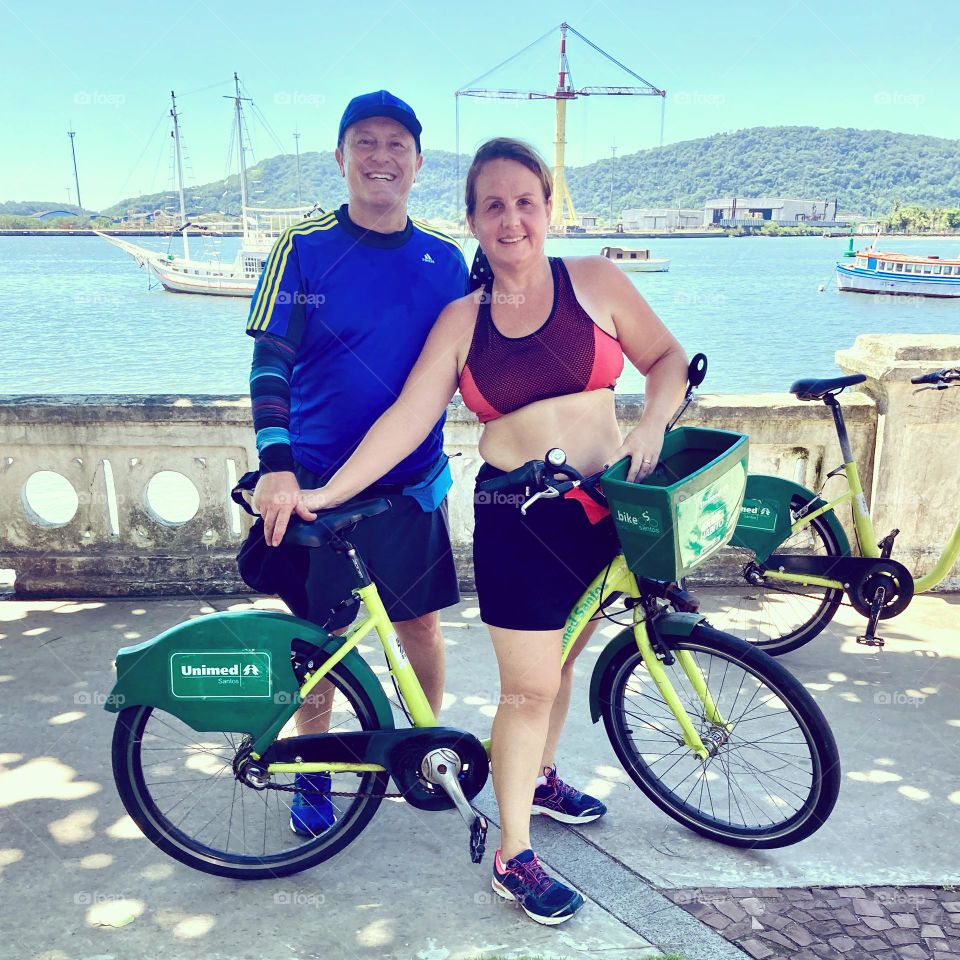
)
(527, 475)
(934, 377)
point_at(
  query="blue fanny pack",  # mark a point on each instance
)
(431, 491)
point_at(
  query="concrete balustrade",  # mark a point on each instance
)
(124, 538)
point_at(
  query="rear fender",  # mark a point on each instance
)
(765, 519)
(230, 672)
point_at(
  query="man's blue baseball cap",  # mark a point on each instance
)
(380, 104)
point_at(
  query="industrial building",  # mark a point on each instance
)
(664, 218)
(747, 211)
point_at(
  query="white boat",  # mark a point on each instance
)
(237, 278)
(635, 261)
(261, 228)
(898, 274)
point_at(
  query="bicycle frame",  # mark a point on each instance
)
(863, 524)
(412, 693)
(618, 578)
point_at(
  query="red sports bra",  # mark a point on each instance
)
(569, 353)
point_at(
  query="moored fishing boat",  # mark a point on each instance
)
(261, 228)
(898, 274)
(635, 261)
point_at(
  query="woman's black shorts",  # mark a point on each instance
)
(531, 570)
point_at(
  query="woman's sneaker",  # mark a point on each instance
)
(543, 898)
(562, 802)
(312, 812)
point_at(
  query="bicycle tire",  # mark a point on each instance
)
(819, 796)
(144, 806)
(776, 617)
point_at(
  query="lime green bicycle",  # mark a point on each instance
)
(794, 559)
(716, 733)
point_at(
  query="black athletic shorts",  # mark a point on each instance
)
(406, 550)
(531, 570)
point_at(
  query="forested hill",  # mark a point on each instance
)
(867, 170)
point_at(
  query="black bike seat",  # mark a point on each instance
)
(816, 388)
(319, 532)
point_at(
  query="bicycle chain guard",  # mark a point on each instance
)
(859, 575)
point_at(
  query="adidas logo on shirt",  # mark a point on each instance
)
(427, 258)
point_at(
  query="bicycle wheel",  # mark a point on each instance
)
(774, 615)
(179, 788)
(775, 775)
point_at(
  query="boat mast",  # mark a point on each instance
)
(71, 133)
(243, 162)
(183, 205)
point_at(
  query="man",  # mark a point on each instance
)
(339, 317)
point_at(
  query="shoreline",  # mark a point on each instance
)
(644, 235)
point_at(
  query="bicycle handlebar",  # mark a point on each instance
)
(940, 378)
(541, 477)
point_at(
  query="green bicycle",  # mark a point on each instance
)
(792, 552)
(717, 734)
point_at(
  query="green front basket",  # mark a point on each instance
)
(686, 509)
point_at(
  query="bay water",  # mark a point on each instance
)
(76, 314)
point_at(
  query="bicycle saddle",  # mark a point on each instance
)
(816, 388)
(319, 532)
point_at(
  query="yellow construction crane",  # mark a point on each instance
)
(563, 211)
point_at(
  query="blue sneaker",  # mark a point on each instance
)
(564, 803)
(542, 898)
(311, 813)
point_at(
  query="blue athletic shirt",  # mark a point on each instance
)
(353, 308)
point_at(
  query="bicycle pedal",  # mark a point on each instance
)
(871, 641)
(478, 838)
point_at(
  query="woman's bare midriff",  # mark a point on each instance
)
(583, 424)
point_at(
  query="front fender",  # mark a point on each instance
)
(229, 672)
(669, 625)
(765, 519)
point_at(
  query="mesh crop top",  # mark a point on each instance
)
(569, 353)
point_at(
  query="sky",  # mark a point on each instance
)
(107, 69)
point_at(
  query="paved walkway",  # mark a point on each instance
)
(856, 923)
(78, 881)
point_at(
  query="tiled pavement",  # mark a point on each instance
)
(832, 923)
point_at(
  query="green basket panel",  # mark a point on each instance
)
(687, 508)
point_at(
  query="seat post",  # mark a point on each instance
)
(845, 449)
(342, 545)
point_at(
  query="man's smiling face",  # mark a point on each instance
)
(380, 162)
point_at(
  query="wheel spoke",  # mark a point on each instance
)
(760, 779)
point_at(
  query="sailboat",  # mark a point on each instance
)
(261, 228)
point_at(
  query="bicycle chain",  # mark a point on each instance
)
(334, 793)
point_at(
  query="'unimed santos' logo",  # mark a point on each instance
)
(233, 674)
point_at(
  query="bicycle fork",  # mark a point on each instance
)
(702, 747)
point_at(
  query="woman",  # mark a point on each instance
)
(536, 355)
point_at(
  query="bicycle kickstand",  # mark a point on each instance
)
(870, 638)
(441, 767)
